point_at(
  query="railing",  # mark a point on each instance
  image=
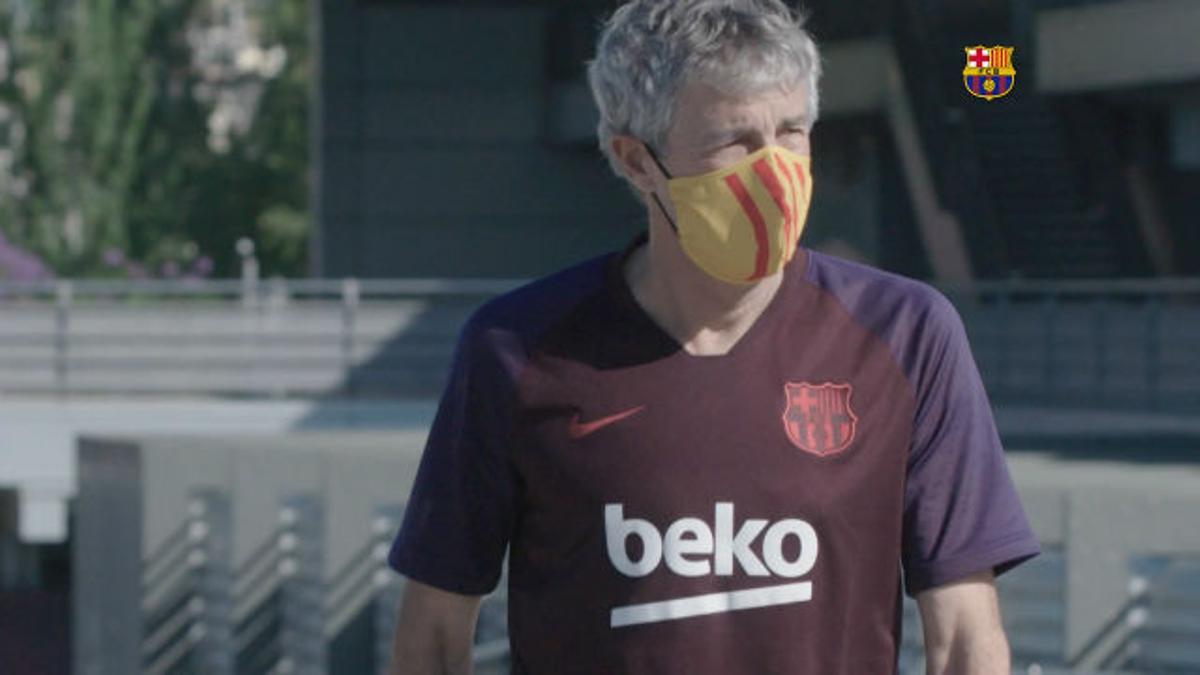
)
(277, 612)
(1166, 619)
(1033, 599)
(275, 338)
(1035, 607)
(186, 600)
(1123, 343)
(921, 39)
(1127, 343)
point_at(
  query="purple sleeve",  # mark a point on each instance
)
(460, 514)
(961, 511)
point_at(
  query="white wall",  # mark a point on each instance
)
(38, 437)
(1115, 44)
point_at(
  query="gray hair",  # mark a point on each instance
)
(649, 49)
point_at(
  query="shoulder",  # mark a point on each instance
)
(918, 324)
(894, 307)
(521, 315)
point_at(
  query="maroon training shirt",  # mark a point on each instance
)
(745, 513)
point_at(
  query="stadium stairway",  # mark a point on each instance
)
(1043, 198)
(1050, 229)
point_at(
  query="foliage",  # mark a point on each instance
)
(151, 132)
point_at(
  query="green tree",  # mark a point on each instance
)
(111, 141)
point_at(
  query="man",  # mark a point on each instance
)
(716, 451)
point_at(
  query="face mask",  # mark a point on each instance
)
(742, 222)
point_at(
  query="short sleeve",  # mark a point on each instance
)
(962, 514)
(459, 517)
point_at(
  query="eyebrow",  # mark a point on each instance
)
(738, 132)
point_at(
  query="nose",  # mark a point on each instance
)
(762, 140)
(781, 138)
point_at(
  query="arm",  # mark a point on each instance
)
(434, 632)
(461, 512)
(963, 632)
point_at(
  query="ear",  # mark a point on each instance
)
(635, 162)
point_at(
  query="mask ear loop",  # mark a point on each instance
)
(658, 201)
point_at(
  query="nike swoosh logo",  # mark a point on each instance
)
(577, 429)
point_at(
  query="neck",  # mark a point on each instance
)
(705, 315)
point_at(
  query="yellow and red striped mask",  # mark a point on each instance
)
(742, 222)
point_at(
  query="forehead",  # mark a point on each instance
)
(702, 108)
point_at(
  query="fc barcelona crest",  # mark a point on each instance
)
(818, 418)
(989, 72)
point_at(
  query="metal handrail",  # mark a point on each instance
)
(163, 562)
(258, 626)
(1097, 287)
(348, 582)
(335, 289)
(352, 337)
(331, 288)
(1167, 614)
(354, 585)
(262, 586)
(178, 622)
(264, 554)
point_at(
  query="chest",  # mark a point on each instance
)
(819, 433)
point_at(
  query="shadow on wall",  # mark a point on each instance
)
(408, 366)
